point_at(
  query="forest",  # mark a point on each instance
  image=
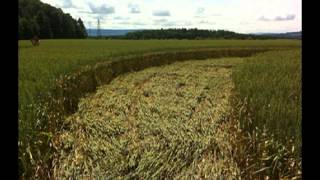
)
(193, 33)
(47, 22)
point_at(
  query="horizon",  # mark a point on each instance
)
(197, 28)
(242, 16)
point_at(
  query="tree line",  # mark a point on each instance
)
(47, 22)
(189, 34)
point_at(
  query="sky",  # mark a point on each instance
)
(243, 16)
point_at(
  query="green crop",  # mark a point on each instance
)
(268, 105)
(52, 71)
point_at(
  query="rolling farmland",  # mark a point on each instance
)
(187, 119)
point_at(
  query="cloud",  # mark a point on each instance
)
(121, 18)
(188, 23)
(87, 12)
(167, 23)
(270, 15)
(206, 22)
(262, 18)
(136, 23)
(200, 10)
(289, 17)
(170, 24)
(203, 22)
(134, 11)
(103, 9)
(164, 22)
(139, 23)
(206, 16)
(160, 20)
(200, 16)
(68, 4)
(134, 8)
(101, 18)
(246, 23)
(161, 13)
(124, 22)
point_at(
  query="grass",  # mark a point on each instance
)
(181, 121)
(270, 84)
(268, 88)
(39, 68)
(163, 122)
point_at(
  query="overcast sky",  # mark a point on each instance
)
(244, 16)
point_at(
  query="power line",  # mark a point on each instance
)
(98, 29)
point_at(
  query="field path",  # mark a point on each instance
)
(165, 122)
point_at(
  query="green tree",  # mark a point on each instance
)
(83, 32)
(56, 23)
(26, 28)
(45, 31)
(77, 29)
(35, 27)
(68, 28)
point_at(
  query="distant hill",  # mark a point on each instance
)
(186, 34)
(110, 32)
(287, 35)
(192, 33)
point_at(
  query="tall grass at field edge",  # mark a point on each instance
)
(267, 102)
